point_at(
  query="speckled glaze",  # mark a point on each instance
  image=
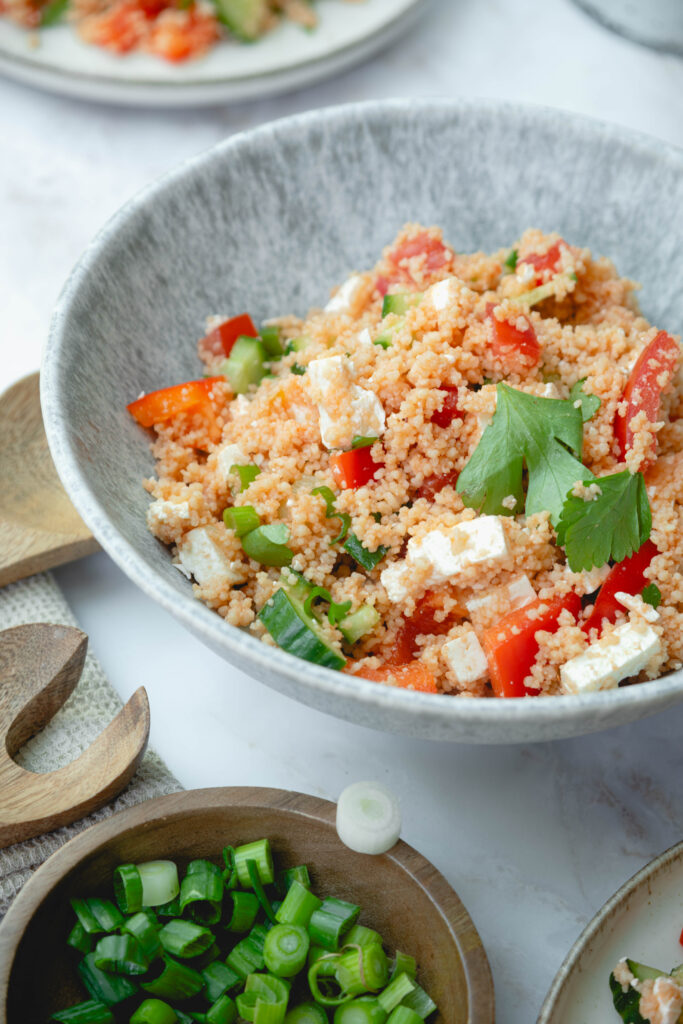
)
(270, 221)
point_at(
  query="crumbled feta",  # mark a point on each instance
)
(163, 511)
(623, 974)
(230, 455)
(342, 300)
(446, 553)
(201, 555)
(466, 658)
(444, 293)
(668, 1002)
(364, 337)
(634, 603)
(624, 652)
(510, 596)
(367, 413)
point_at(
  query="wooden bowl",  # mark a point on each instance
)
(401, 894)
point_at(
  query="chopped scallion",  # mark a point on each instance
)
(261, 854)
(242, 519)
(359, 623)
(154, 1011)
(128, 888)
(395, 992)
(103, 987)
(359, 441)
(91, 1012)
(270, 337)
(160, 882)
(120, 954)
(245, 906)
(268, 544)
(331, 921)
(174, 981)
(185, 938)
(247, 474)
(298, 905)
(202, 891)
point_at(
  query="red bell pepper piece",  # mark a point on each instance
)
(449, 410)
(223, 337)
(627, 577)
(681, 939)
(547, 261)
(431, 485)
(422, 621)
(355, 468)
(413, 676)
(652, 373)
(518, 350)
(510, 646)
(160, 406)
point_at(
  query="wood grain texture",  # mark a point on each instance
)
(401, 894)
(40, 665)
(39, 527)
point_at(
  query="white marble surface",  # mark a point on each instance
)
(534, 839)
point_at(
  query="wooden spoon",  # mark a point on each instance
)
(39, 527)
(40, 665)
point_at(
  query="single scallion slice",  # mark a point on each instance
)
(404, 1015)
(202, 891)
(143, 926)
(120, 954)
(223, 1011)
(510, 262)
(403, 963)
(244, 366)
(400, 302)
(96, 915)
(230, 879)
(247, 474)
(298, 874)
(270, 338)
(259, 852)
(419, 1001)
(128, 888)
(298, 905)
(364, 1010)
(395, 992)
(246, 957)
(359, 623)
(245, 906)
(185, 938)
(384, 340)
(174, 980)
(344, 518)
(306, 1013)
(323, 984)
(103, 987)
(360, 441)
(362, 969)
(91, 1012)
(86, 918)
(359, 935)
(368, 559)
(331, 921)
(264, 1000)
(242, 519)
(170, 909)
(218, 978)
(268, 545)
(159, 882)
(286, 949)
(368, 818)
(154, 1011)
(80, 939)
(259, 891)
(297, 633)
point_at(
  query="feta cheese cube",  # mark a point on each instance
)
(342, 300)
(466, 658)
(164, 512)
(329, 377)
(200, 554)
(229, 455)
(622, 653)
(396, 579)
(364, 337)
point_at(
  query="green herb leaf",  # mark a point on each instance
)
(511, 262)
(247, 475)
(612, 526)
(368, 559)
(362, 442)
(331, 513)
(651, 594)
(589, 403)
(545, 434)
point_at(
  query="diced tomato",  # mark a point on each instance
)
(422, 621)
(220, 340)
(160, 406)
(681, 939)
(355, 468)
(178, 35)
(449, 410)
(413, 676)
(628, 577)
(518, 350)
(544, 262)
(431, 485)
(652, 373)
(437, 256)
(511, 647)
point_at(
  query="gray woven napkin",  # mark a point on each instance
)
(85, 714)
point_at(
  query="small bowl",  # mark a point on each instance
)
(269, 221)
(401, 894)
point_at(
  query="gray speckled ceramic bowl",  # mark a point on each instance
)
(269, 221)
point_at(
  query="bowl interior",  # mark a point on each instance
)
(401, 895)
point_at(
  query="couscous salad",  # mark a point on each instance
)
(646, 995)
(463, 475)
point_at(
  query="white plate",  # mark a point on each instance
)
(643, 921)
(285, 59)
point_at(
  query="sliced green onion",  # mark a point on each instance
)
(202, 891)
(246, 957)
(404, 1015)
(96, 915)
(185, 938)
(286, 949)
(230, 880)
(295, 632)
(120, 954)
(395, 992)
(268, 545)
(368, 559)
(257, 886)
(403, 964)
(260, 852)
(298, 874)
(306, 1013)
(53, 12)
(419, 1001)
(241, 518)
(299, 371)
(218, 979)
(223, 1011)
(362, 969)
(128, 888)
(103, 987)
(359, 441)
(170, 909)
(174, 981)
(244, 366)
(245, 906)
(264, 1000)
(91, 1012)
(208, 957)
(79, 939)
(298, 344)
(331, 921)
(368, 818)
(400, 302)
(270, 336)
(154, 1011)
(328, 496)
(359, 623)
(298, 905)
(336, 612)
(359, 935)
(364, 1010)
(318, 953)
(384, 340)
(247, 474)
(159, 882)
(323, 984)
(510, 263)
(86, 918)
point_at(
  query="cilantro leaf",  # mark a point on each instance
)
(589, 403)
(612, 526)
(651, 594)
(545, 434)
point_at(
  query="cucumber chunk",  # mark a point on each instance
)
(295, 631)
(244, 18)
(400, 302)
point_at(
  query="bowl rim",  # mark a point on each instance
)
(441, 894)
(598, 922)
(647, 697)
